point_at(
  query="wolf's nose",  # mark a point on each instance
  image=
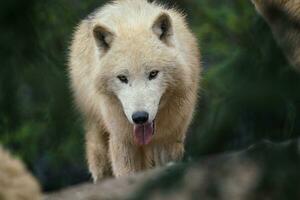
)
(140, 117)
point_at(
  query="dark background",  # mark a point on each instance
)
(249, 92)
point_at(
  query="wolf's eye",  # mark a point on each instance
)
(153, 74)
(123, 79)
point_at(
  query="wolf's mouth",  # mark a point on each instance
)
(143, 133)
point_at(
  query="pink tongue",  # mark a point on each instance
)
(143, 133)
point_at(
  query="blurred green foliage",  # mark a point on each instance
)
(37, 118)
(248, 89)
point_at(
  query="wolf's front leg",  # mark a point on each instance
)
(97, 152)
(126, 158)
(164, 154)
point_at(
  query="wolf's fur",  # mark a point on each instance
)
(15, 182)
(130, 42)
(284, 18)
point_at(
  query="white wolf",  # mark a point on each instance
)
(134, 69)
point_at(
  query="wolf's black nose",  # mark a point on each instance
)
(140, 117)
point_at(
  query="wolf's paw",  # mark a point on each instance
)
(170, 164)
(100, 173)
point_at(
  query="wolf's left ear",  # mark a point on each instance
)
(103, 36)
(162, 27)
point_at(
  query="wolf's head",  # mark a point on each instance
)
(139, 63)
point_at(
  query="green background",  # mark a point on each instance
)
(248, 91)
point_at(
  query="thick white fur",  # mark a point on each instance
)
(107, 104)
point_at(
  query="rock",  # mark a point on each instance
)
(113, 189)
(264, 171)
(16, 183)
(283, 16)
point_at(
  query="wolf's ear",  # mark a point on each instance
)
(103, 37)
(162, 27)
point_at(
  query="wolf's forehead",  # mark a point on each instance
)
(133, 63)
(141, 51)
(135, 60)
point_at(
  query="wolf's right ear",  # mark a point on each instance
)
(103, 37)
